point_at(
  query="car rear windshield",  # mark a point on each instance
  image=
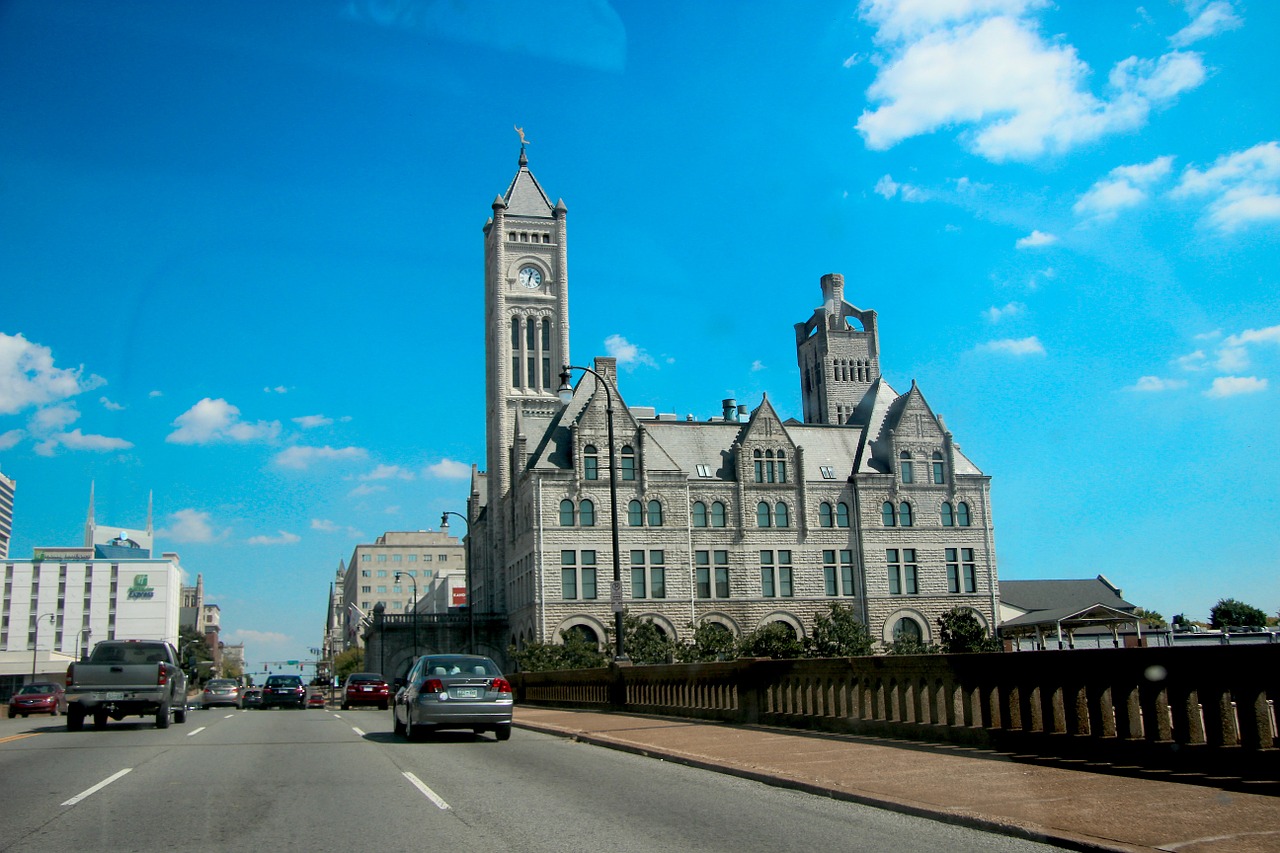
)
(365, 676)
(448, 665)
(283, 681)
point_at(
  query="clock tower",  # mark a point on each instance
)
(526, 315)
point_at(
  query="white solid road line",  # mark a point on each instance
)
(357, 731)
(98, 787)
(426, 792)
(196, 732)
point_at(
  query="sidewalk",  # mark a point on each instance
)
(1072, 808)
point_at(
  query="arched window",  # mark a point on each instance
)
(590, 463)
(907, 629)
(587, 514)
(825, 518)
(904, 514)
(904, 467)
(890, 518)
(764, 518)
(566, 513)
(938, 471)
(635, 514)
(628, 462)
(781, 518)
(699, 514)
(962, 513)
(717, 514)
(655, 514)
(948, 517)
(842, 515)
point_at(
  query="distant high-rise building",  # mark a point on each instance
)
(7, 487)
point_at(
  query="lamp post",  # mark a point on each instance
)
(415, 613)
(565, 392)
(35, 641)
(82, 642)
(471, 601)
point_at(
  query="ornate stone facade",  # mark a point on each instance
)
(743, 519)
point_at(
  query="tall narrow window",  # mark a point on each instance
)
(546, 353)
(759, 461)
(903, 571)
(566, 513)
(628, 462)
(948, 517)
(904, 467)
(635, 514)
(904, 514)
(717, 514)
(587, 513)
(764, 517)
(702, 573)
(531, 350)
(953, 570)
(962, 514)
(657, 575)
(938, 473)
(568, 575)
(782, 467)
(969, 570)
(590, 463)
(699, 514)
(887, 513)
(781, 517)
(515, 352)
(776, 574)
(825, 517)
(655, 513)
(842, 515)
(721, 568)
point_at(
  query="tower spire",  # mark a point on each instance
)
(89, 526)
(150, 502)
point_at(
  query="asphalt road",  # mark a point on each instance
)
(320, 779)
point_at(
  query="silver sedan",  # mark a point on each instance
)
(454, 692)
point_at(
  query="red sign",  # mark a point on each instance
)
(459, 596)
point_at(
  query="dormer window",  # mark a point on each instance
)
(703, 470)
(828, 473)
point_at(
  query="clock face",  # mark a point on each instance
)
(530, 277)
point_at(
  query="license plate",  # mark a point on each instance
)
(116, 696)
(367, 689)
(467, 692)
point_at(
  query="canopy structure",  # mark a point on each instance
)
(1063, 622)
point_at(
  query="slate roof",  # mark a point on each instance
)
(525, 196)
(1047, 595)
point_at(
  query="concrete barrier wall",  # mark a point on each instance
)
(1207, 709)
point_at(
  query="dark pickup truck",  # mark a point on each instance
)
(124, 678)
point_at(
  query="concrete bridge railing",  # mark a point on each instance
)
(1206, 709)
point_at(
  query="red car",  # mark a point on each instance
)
(315, 700)
(366, 688)
(40, 697)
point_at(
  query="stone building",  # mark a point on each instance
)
(745, 519)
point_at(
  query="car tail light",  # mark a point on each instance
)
(163, 677)
(71, 668)
(433, 685)
(501, 685)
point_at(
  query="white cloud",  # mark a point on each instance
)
(48, 425)
(1217, 17)
(1232, 386)
(757, 366)
(1243, 188)
(365, 489)
(388, 472)
(1269, 335)
(888, 188)
(279, 389)
(312, 421)
(1124, 187)
(11, 438)
(75, 440)
(256, 638)
(1014, 346)
(110, 405)
(982, 66)
(300, 457)
(1153, 384)
(324, 525)
(211, 421)
(28, 376)
(1013, 309)
(53, 418)
(155, 394)
(449, 469)
(1231, 359)
(628, 354)
(285, 538)
(1035, 239)
(190, 525)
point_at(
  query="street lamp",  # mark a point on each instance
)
(565, 392)
(35, 641)
(471, 601)
(415, 613)
(82, 642)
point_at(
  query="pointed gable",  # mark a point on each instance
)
(525, 196)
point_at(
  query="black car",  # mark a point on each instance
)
(285, 691)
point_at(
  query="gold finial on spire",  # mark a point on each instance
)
(523, 141)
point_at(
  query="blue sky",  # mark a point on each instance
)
(242, 260)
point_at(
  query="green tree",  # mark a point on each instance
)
(643, 642)
(961, 632)
(352, 660)
(838, 634)
(1228, 613)
(775, 640)
(711, 642)
(574, 651)
(1151, 618)
(910, 646)
(195, 655)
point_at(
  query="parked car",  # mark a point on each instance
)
(366, 688)
(315, 700)
(285, 691)
(39, 697)
(453, 692)
(251, 697)
(221, 691)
